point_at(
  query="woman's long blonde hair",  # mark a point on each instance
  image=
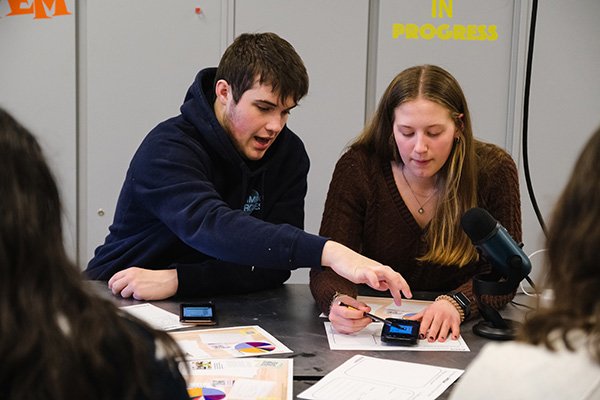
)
(457, 179)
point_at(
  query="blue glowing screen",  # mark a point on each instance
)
(197, 312)
(405, 329)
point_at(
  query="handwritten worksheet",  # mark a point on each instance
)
(369, 378)
(370, 337)
(240, 341)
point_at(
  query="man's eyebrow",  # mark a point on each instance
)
(265, 102)
(271, 104)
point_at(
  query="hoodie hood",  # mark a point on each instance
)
(198, 110)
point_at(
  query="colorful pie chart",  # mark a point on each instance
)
(254, 347)
(205, 394)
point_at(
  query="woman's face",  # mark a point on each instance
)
(424, 132)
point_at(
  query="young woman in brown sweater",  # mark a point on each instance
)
(397, 196)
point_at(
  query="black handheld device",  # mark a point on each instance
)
(198, 313)
(401, 332)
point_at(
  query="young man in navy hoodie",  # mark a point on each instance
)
(213, 201)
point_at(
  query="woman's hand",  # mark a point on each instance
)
(438, 321)
(348, 319)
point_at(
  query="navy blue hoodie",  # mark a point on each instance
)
(191, 202)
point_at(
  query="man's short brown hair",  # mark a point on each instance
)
(268, 58)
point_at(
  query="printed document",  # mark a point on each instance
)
(240, 341)
(369, 378)
(241, 378)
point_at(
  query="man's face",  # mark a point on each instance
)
(254, 122)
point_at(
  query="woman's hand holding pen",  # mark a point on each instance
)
(347, 315)
(439, 321)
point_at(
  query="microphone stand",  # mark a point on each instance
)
(493, 326)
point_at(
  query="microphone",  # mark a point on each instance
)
(496, 245)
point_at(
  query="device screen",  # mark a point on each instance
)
(200, 313)
(404, 329)
(197, 312)
(403, 332)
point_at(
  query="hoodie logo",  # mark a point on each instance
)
(252, 202)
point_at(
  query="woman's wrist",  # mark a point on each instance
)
(334, 299)
(451, 300)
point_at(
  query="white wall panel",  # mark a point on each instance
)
(141, 57)
(564, 104)
(37, 86)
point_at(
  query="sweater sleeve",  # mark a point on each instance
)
(214, 277)
(343, 220)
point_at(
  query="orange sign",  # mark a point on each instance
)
(39, 8)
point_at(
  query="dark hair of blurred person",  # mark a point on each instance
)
(557, 352)
(58, 339)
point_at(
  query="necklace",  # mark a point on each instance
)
(421, 209)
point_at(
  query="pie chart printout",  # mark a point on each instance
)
(205, 394)
(254, 347)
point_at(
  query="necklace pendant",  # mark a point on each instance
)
(420, 210)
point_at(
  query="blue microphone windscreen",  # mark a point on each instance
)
(478, 224)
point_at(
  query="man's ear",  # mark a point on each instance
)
(222, 90)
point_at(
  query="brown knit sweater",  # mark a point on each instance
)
(365, 211)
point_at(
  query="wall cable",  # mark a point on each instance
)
(527, 91)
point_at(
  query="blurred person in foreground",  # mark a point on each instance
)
(58, 340)
(557, 351)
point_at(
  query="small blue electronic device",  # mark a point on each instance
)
(402, 332)
(200, 314)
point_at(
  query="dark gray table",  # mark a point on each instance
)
(289, 313)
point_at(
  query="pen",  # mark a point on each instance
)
(374, 317)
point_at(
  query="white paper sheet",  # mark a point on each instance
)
(369, 378)
(370, 339)
(155, 316)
